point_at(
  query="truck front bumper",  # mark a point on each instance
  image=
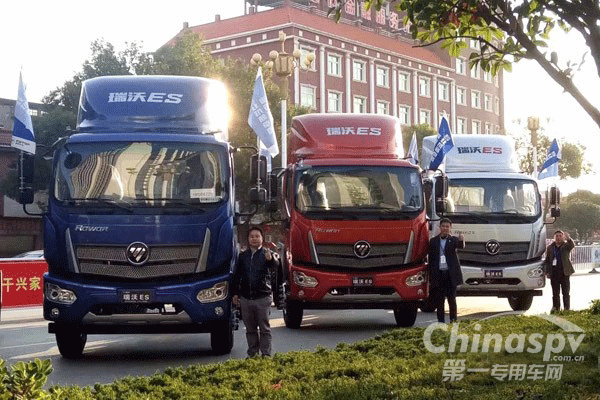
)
(502, 282)
(172, 308)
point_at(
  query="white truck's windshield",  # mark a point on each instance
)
(493, 197)
(359, 190)
(141, 173)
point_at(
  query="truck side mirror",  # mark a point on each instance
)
(258, 170)
(554, 196)
(441, 193)
(257, 195)
(555, 212)
(271, 205)
(25, 168)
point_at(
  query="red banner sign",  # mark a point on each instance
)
(22, 282)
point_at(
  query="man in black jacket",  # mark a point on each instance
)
(444, 269)
(252, 291)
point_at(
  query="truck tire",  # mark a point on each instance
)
(521, 301)
(70, 341)
(292, 314)
(221, 338)
(406, 315)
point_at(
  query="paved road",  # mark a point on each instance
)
(23, 337)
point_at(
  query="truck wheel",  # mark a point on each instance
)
(427, 305)
(406, 315)
(221, 338)
(521, 301)
(292, 314)
(70, 341)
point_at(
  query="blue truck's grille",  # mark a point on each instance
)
(111, 261)
(474, 253)
(342, 255)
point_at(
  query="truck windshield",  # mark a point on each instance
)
(511, 199)
(141, 174)
(360, 191)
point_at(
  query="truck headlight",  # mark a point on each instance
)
(59, 295)
(215, 293)
(416, 279)
(535, 272)
(301, 279)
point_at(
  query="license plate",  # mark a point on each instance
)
(362, 281)
(137, 296)
(492, 273)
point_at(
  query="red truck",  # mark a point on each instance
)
(355, 223)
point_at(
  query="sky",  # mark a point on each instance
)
(50, 40)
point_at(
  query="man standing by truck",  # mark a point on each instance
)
(559, 268)
(444, 269)
(252, 290)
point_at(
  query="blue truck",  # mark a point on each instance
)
(140, 231)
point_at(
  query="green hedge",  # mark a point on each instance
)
(394, 365)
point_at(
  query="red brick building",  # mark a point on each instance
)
(365, 63)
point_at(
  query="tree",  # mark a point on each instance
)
(572, 159)
(583, 196)
(584, 217)
(507, 31)
(421, 131)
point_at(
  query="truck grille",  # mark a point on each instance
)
(474, 253)
(163, 261)
(342, 255)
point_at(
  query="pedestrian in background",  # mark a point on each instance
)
(559, 268)
(252, 291)
(444, 269)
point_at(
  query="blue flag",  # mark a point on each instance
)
(413, 151)
(442, 146)
(260, 118)
(550, 167)
(22, 135)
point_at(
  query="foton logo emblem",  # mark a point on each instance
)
(143, 97)
(351, 130)
(90, 228)
(137, 253)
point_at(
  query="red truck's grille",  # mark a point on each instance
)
(342, 255)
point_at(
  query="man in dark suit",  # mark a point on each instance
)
(559, 268)
(444, 269)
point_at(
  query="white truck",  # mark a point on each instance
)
(499, 211)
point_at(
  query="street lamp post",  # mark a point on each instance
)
(283, 64)
(533, 124)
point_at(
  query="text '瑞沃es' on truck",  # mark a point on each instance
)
(501, 215)
(140, 232)
(356, 230)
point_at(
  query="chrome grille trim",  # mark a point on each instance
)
(314, 255)
(203, 260)
(71, 258)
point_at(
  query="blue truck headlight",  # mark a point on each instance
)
(416, 279)
(535, 272)
(215, 293)
(301, 279)
(59, 295)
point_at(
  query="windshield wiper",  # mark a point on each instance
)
(478, 216)
(512, 214)
(178, 202)
(111, 202)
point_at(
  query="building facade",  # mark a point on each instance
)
(365, 63)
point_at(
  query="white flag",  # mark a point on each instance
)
(22, 135)
(413, 151)
(260, 118)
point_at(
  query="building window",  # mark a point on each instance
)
(488, 128)
(404, 114)
(475, 127)
(359, 71)
(461, 96)
(404, 81)
(487, 102)
(497, 106)
(334, 65)
(424, 86)
(443, 91)
(383, 107)
(475, 72)
(308, 96)
(461, 126)
(360, 104)
(475, 99)
(487, 76)
(424, 117)
(334, 101)
(474, 44)
(382, 76)
(304, 52)
(461, 66)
